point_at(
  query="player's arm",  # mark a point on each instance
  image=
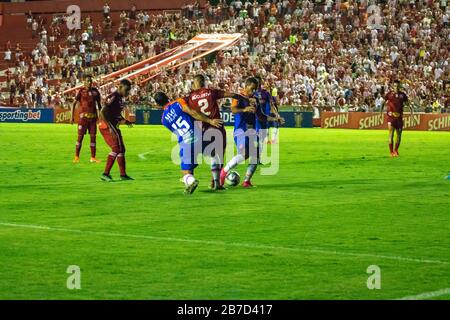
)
(236, 96)
(72, 109)
(411, 110)
(235, 108)
(125, 121)
(104, 113)
(201, 117)
(274, 108)
(382, 106)
(99, 101)
(277, 118)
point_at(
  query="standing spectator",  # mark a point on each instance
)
(34, 29)
(85, 37)
(106, 10)
(8, 56)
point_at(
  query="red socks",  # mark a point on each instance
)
(121, 163)
(110, 162)
(391, 147)
(78, 145)
(93, 146)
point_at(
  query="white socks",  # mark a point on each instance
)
(234, 162)
(250, 171)
(215, 168)
(274, 134)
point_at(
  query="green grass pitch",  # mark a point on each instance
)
(338, 204)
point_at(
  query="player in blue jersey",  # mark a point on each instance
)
(180, 119)
(264, 104)
(269, 107)
(273, 125)
(246, 112)
(263, 97)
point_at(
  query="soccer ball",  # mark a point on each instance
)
(233, 178)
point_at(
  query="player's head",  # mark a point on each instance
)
(199, 82)
(251, 84)
(259, 79)
(397, 85)
(161, 98)
(87, 80)
(124, 87)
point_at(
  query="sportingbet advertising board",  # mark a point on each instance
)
(26, 115)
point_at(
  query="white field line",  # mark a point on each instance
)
(428, 295)
(142, 156)
(230, 244)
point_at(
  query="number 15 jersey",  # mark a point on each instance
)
(179, 122)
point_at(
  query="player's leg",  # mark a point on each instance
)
(215, 150)
(391, 138)
(121, 157)
(189, 181)
(266, 139)
(188, 157)
(216, 167)
(82, 128)
(240, 141)
(93, 136)
(251, 168)
(252, 150)
(274, 133)
(112, 142)
(262, 139)
(398, 139)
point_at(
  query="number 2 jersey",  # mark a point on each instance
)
(204, 100)
(180, 123)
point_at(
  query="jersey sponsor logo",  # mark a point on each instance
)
(171, 115)
(336, 121)
(200, 96)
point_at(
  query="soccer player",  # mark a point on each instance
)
(179, 119)
(245, 135)
(396, 100)
(88, 100)
(110, 119)
(204, 100)
(264, 103)
(273, 124)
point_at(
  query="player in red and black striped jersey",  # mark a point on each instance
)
(396, 100)
(88, 101)
(110, 119)
(205, 100)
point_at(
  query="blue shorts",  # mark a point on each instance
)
(188, 155)
(244, 140)
(273, 124)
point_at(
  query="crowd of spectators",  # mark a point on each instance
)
(335, 55)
